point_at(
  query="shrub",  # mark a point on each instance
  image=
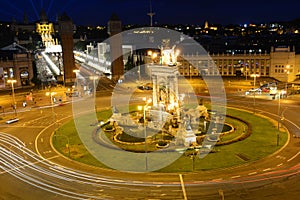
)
(108, 127)
(162, 143)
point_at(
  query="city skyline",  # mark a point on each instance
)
(98, 12)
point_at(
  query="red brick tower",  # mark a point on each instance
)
(116, 54)
(66, 34)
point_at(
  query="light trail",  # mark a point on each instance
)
(76, 184)
(43, 174)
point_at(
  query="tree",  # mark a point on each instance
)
(129, 64)
(35, 80)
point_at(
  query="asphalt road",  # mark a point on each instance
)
(31, 169)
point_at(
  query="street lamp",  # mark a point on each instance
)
(193, 155)
(190, 71)
(61, 70)
(152, 55)
(12, 81)
(287, 70)
(94, 78)
(145, 128)
(279, 117)
(246, 71)
(76, 71)
(68, 141)
(52, 103)
(254, 75)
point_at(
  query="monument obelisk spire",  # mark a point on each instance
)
(151, 14)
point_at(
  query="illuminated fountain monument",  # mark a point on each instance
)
(167, 101)
(169, 114)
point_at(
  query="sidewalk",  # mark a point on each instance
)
(33, 99)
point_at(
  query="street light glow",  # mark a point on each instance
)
(50, 93)
(12, 81)
(254, 75)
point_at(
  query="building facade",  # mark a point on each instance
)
(16, 64)
(281, 63)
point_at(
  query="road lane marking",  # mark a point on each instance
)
(292, 158)
(279, 164)
(47, 152)
(238, 176)
(120, 181)
(281, 157)
(217, 179)
(182, 186)
(268, 169)
(252, 173)
(198, 182)
(135, 190)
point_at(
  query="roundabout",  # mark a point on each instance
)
(76, 180)
(70, 152)
(239, 144)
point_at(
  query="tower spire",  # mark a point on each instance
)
(151, 14)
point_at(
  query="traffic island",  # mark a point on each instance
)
(261, 143)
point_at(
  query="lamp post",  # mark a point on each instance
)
(145, 127)
(68, 141)
(190, 71)
(287, 70)
(52, 104)
(194, 154)
(279, 118)
(94, 78)
(246, 72)
(76, 71)
(254, 75)
(61, 69)
(12, 81)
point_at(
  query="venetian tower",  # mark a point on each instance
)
(116, 54)
(66, 34)
(45, 29)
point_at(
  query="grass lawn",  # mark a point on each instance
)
(261, 143)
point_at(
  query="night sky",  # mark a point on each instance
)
(98, 12)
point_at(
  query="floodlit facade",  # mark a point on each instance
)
(15, 63)
(281, 63)
(45, 29)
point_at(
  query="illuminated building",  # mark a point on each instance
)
(45, 29)
(271, 64)
(15, 63)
